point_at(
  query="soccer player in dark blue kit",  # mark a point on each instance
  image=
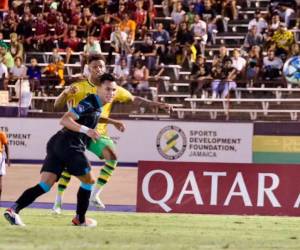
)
(65, 151)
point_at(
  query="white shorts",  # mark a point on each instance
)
(2, 164)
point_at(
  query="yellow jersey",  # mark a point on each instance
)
(85, 88)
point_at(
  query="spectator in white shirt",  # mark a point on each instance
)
(18, 73)
(275, 22)
(199, 28)
(3, 76)
(92, 47)
(117, 41)
(19, 70)
(259, 22)
(178, 13)
(286, 13)
(121, 73)
(238, 62)
(3, 70)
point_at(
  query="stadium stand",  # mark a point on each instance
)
(169, 39)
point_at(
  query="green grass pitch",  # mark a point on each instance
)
(150, 231)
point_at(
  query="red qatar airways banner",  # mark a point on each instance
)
(217, 188)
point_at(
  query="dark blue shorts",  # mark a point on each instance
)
(64, 154)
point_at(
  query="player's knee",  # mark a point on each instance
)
(112, 156)
(88, 180)
(109, 154)
(86, 186)
(91, 181)
(45, 186)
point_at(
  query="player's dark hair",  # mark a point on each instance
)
(96, 57)
(106, 77)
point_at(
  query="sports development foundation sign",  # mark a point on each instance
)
(217, 188)
(184, 141)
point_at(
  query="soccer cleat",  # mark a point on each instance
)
(13, 218)
(88, 222)
(56, 209)
(96, 202)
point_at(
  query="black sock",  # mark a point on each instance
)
(83, 197)
(28, 197)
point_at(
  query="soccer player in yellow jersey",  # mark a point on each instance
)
(104, 146)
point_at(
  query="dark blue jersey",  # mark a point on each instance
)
(88, 113)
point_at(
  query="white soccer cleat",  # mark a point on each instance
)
(57, 206)
(56, 209)
(13, 218)
(89, 222)
(96, 202)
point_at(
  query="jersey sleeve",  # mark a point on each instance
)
(69, 96)
(123, 95)
(89, 104)
(74, 99)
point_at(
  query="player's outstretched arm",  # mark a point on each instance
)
(61, 100)
(69, 121)
(118, 124)
(139, 101)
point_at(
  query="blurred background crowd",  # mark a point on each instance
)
(210, 44)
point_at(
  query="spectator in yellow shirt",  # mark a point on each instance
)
(283, 39)
(128, 25)
(56, 67)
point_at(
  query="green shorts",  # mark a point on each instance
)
(97, 146)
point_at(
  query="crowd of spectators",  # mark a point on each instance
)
(256, 62)
(138, 44)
